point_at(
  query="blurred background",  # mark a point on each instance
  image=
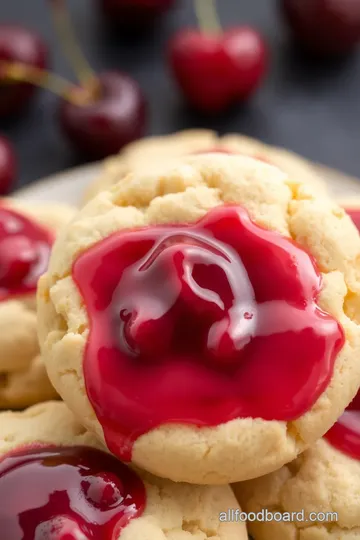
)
(306, 105)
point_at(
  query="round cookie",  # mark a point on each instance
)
(219, 418)
(23, 379)
(154, 151)
(316, 496)
(168, 511)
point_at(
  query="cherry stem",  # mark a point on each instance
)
(18, 72)
(72, 50)
(206, 14)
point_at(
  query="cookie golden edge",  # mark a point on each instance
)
(23, 378)
(172, 510)
(152, 151)
(243, 448)
(320, 481)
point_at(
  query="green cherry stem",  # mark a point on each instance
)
(206, 14)
(72, 50)
(12, 72)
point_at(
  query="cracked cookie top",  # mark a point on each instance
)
(154, 152)
(168, 293)
(320, 488)
(84, 492)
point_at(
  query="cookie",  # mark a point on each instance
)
(197, 321)
(80, 491)
(316, 496)
(153, 151)
(352, 207)
(26, 235)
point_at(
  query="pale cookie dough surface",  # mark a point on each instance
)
(323, 480)
(153, 152)
(243, 448)
(173, 511)
(23, 378)
(353, 203)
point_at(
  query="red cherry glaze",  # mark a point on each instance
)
(345, 434)
(67, 493)
(326, 27)
(18, 44)
(7, 165)
(220, 150)
(215, 71)
(187, 323)
(115, 118)
(354, 213)
(25, 248)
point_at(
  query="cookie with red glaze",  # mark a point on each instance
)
(197, 320)
(82, 492)
(27, 232)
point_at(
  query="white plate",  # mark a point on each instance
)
(69, 186)
(65, 187)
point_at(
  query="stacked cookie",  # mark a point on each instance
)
(27, 233)
(199, 319)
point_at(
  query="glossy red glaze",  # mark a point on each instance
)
(345, 434)
(67, 493)
(354, 213)
(115, 118)
(25, 248)
(18, 44)
(215, 71)
(201, 324)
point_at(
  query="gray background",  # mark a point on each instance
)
(313, 109)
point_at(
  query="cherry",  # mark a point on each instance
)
(105, 111)
(7, 164)
(18, 44)
(325, 27)
(108, 121)
(134, 14)
(217, 69)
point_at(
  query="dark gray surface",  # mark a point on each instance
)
(310, 108)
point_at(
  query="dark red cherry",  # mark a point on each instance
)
(135, 14)
(18, 44)
(7, 164)
(112, 119)
(326, 27)
(215, 71)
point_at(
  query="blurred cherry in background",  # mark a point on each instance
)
(324, 27)
(104, 111)
(216, 68)
(18, 44)
(107, 120)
